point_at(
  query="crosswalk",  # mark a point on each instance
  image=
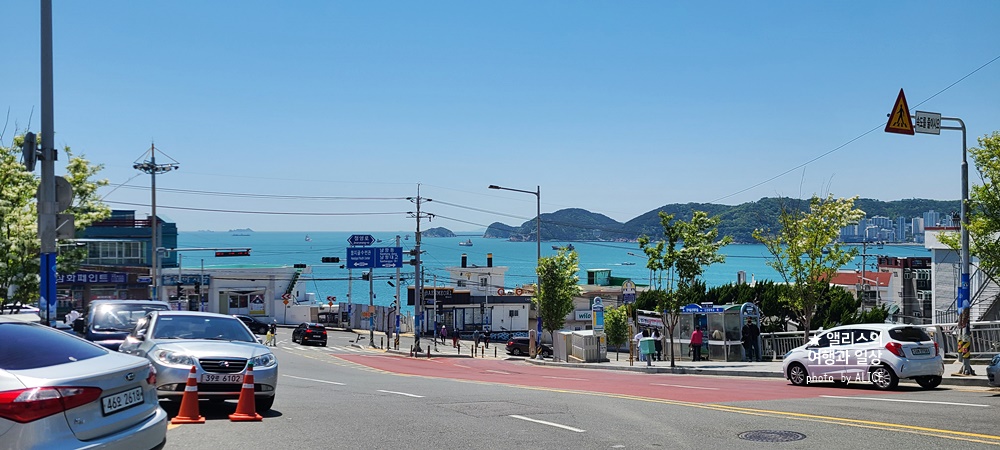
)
(295, 348)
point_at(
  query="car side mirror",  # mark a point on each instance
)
(78, 325)
(141, 336)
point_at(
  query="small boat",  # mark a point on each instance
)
(626, 263)
(240, 234)
(467, 243)
(308, 239)
(567, 247)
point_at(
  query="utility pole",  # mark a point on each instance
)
(152, 168)
(398, 307)
(371, 307)
(47, 188)
(418, 283)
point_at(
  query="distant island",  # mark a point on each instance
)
(241, 230)
(437, 232)
(738, 221)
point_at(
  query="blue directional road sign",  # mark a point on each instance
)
(361, 239)
(360, 257)
(388, 257)
(374, 257)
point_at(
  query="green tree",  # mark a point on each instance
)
(798, 251)
(557, 287)
(701, 244)
(19, 243)
(616, 326)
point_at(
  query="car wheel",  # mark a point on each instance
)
(546, 354)
(797, 374)
(516, 352)
(263, 404)
(884, 378)
(929, 382)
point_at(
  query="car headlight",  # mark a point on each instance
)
(265, 360)
(175, 359)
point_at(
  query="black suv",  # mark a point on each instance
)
(308, 333)
(255, 325)
(518, 346)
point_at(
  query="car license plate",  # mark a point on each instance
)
(921, 351)
(121, 401)
(222, 378)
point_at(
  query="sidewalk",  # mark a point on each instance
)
(770, 369)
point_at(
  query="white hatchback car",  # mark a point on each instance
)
(878, 353)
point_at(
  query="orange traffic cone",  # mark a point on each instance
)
(246, 410)
(189, 402)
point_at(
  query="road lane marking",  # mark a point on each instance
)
(401, 393)
(551, 424)
(905, 401)
(313, 379)
(459, 365)
(685, 387)
(499, 371)
(565, 378)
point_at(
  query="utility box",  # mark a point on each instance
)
(561, 345)
(647, 346)
(587, 346)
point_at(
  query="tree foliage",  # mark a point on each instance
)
(557, 287)
(19, 242)
(806, 252)
(701, 245)
(616, 325)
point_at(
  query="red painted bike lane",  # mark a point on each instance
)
(685, 388)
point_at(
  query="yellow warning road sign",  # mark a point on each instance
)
(899, 118)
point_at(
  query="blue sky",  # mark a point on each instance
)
(615, 107)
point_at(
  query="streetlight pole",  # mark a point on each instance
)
(964, 303)
(538, 242)
(152, 168)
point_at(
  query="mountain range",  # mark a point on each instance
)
(738, 221)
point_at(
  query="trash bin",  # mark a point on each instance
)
(647, 346)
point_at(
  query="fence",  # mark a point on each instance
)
(985, 340)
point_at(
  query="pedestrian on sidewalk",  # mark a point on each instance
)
(454, 338)
(659, 346)
(637, 338)
(486, 338)
(751, 335)
(697, 340)
(475, 337)
(444, 333)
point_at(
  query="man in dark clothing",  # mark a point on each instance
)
(658, 345)
(751, 346)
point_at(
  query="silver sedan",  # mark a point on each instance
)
(219, 347)
(58, 391)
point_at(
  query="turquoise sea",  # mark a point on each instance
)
(287, 248)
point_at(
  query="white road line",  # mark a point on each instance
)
(459, 365)
(685, 387)
(499, 371)
(312, 379)
(551, 424)
(904, 401)
(565, 378)
(402, 393)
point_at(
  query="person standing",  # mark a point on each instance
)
(454, 338)
(486, 338)
(272, 335)
(751, 338)
(637, 338)
(444, 333)
(475, 337)
(659, 345)
(697, 340)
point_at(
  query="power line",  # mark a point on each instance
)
(281, 213)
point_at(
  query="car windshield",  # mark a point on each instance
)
(909, 334)
(30, 346)
(120, 316)
(201, 327)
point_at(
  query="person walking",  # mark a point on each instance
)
(659, 346)
(751, 344)
(486, 338)
(272, 332)
(444, 333)
(475, 337)
(697, 340)
(454, 338)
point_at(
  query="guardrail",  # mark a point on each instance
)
(985, 340)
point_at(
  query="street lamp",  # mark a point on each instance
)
(538, 238)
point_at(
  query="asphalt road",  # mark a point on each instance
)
(344, 397)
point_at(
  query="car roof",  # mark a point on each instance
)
(129, 302)
(877, 326)
(191, 313)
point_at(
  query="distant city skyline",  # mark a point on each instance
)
(312, 116)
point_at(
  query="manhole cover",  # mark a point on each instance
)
(771, 436)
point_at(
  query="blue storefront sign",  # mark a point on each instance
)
(93, 277)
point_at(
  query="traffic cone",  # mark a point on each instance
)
(246, 410)
(188, 412)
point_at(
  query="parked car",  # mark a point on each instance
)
(993, 371)
(60, 391)
(255, 325)
(518, 346)
(878, 353)
(309, 333)
(107, 322)
(220, 348)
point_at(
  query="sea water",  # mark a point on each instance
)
(624, 259)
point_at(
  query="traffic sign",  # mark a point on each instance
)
(361, 239)
(899, 117)
(388, 257)
(628, 292)
(286, 296)
(374, 257)
(360, 257)
(927, 122)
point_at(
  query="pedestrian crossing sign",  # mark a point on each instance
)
(899, 117)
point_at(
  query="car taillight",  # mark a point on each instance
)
(151, 378)
(27, 405)
(895, 348)
(937, 350)
(324, 332)
(510, 342)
